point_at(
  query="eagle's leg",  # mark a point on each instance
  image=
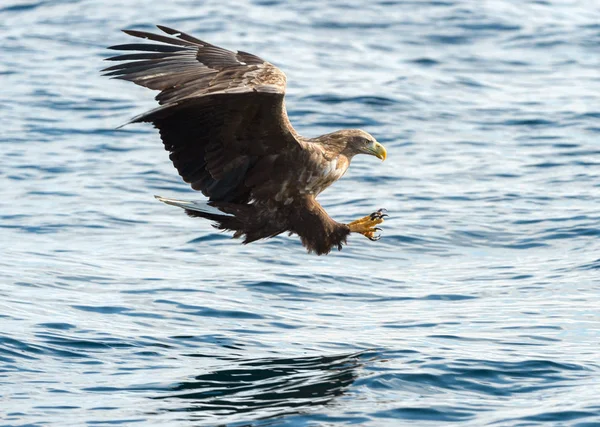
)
(367, 225)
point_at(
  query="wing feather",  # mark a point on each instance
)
(180, 35)
(160, 38)
(220, 114)
(145, 47)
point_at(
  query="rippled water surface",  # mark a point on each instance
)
(479, 306)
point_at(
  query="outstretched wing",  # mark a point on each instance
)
(221, 116)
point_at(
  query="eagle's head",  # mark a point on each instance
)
(356, 141)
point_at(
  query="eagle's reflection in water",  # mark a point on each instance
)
(266, 387)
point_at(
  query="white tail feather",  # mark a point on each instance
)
(192, 206)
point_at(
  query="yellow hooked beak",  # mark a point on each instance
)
(377, 150)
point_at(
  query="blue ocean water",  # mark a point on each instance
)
(479, 306)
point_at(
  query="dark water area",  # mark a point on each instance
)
(479, 306)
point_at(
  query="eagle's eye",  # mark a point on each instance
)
(362, 141)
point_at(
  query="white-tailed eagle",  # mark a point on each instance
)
(222, 117)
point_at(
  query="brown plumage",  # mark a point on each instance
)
(222, 117)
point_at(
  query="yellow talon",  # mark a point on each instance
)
(367, 225)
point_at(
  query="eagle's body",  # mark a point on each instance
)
(223, 119)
